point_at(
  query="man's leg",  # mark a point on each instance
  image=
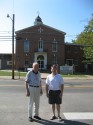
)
(37, 101)
(30, 105)
(53, 109)
(58, 109)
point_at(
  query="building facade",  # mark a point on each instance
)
(5, 61)
(45, 45)
(74, 56)
(39, 43)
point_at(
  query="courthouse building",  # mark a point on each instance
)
(45, 45)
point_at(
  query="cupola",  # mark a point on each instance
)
(38, 20)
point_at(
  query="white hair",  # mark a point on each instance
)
(35, 63)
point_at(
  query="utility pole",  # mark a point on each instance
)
(13, 20)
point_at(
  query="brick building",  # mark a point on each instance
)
(5, 61)
(45, 45)
(74, 56)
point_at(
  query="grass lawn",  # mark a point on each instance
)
(9, 73)
(16, 73)
(73, 75)
(81, 75)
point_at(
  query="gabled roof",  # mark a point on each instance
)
(41, 25)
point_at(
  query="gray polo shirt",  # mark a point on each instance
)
(33, 79)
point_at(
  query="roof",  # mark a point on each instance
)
(74, 44)
(5, 53)
(41, 25)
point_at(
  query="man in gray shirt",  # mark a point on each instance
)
(33, 90)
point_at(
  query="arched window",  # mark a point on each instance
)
(40, 60)
(40, 57)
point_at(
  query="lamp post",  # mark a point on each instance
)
(12, 43)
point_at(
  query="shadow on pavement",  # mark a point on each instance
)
(63, 122)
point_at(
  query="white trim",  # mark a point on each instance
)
(43, 54)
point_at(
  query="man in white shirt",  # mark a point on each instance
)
(33, 90)
(54, 90)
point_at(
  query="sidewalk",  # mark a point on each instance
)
(44, 76)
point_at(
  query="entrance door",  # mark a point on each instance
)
(40, 60)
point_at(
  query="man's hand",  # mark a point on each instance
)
(41, 92)
(47, 94)
(27, 93)
(61, 95)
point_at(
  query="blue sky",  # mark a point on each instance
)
(69, 16)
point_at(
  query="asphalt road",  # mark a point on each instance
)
(77, 107)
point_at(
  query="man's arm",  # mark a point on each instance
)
(27, 81)
(27, 89)
(62, 86)
(62, 89)
(47, 88)
(41, 92)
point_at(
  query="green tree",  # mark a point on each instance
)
(86, 38)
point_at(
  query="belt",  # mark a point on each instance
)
(33, 86)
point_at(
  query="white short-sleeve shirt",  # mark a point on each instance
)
(54, 82)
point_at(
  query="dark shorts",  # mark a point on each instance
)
(54, 97)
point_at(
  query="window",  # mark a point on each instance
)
(40, 45)
(40, 60)
(76, 62)
(68, 49)
(69, 62)
(54, 46)
(76, 49)
(26, 62)
(54, 59)
(26, 46)
(9, 62)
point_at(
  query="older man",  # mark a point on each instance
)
(33, 90)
